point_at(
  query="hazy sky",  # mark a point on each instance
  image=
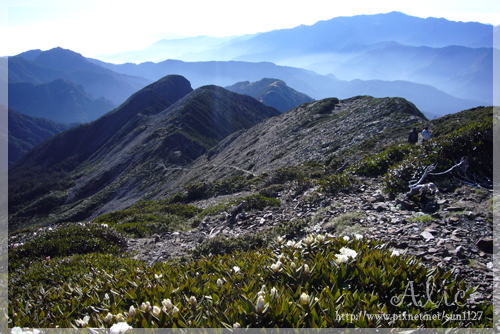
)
(106, 27)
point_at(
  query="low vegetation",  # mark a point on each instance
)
(317, 282)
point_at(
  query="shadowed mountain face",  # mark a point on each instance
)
(272, 92)
(59, 100)
(25, 132)
(122, 157)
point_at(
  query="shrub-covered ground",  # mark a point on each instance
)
(316, 282)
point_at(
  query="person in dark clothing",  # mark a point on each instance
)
(413, 136)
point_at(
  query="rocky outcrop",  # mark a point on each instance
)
(457, 236)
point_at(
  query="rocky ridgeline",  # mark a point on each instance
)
(455, 234)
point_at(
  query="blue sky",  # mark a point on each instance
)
(106, 27)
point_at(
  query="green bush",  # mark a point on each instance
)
(335, 183)
(380, 163)
(221, 245)
(259, 202)
(149, 217)
(74, 238)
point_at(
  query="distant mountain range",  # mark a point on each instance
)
(427, 98)
(272, 92)
(38, 67)
(59, 100)
(25, 132)
(455, 57)
(122, 156)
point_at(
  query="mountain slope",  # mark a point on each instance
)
(121, 157)
(272, 92)
(310, 132)
(25, 132)
(59, 100)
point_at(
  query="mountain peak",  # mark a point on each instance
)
(272, 92)
(160, 94)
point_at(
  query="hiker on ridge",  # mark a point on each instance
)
(426, 134)
(413, 136)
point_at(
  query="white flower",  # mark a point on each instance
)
(104, 225)
(156, 311)
(158, 276)
(131, 311)
(236, 269)
(264, 288)
(304, 298)
(146, 307)
(174, 310)
(349, 252)
(294, 244)
(119, 317)
(83, 322)
(276, 266)
(236, 325)
(307, 271)
(120, 327)
(279, 240)
(292, 266)
(108, 318)
(358, 236)
(320, 238)
(308, 240)
(220, 283)
(282, 257)
(274, 292)
(341, 258)
(346, 238)
(395, 253)
(167, 304)
(193, 301)
(260, 304)
(106, 296)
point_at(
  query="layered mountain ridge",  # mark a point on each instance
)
(115, 160)
(454, 57)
